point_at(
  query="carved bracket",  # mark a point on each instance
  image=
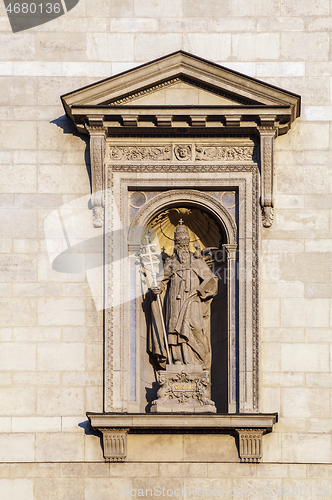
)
(114, 444)
(97, 152)
(250, 444)
(267, 136)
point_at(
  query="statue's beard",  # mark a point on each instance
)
(184, 255)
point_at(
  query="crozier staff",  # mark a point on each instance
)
(188, 287)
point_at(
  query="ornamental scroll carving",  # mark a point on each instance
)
(97, 152)
(183, 391)
(182, 152)
(225, 153)
(130, 153)
(268, 135)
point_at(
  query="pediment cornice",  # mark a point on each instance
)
(239, 100)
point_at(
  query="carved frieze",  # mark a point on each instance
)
(182, 152)
(225, 153)
(136, 153)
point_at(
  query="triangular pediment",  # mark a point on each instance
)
(180, 79)
(178, 91)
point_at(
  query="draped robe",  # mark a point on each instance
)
(187, 292)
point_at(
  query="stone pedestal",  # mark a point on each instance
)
(183, 389)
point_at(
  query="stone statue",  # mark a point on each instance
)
(187, 288)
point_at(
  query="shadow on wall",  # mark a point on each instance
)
(89, 431)
(69, 128)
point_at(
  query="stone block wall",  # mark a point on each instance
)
(51, 369)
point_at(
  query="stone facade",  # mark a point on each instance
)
(51, 330)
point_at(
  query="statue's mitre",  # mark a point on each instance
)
(181, 234)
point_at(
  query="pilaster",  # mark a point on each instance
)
(267, 136)
(97, 153)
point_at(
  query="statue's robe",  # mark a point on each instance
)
(187, 292)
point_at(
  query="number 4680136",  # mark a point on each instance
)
(33, 8)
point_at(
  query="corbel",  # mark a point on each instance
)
(164, 120)
(233, 120)
(114, 444)
(130, 120)
(198, 121)
(250, 444)
(267, 136)
(97, 134)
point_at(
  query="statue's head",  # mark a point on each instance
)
(181, 241)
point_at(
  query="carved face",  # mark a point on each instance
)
(182, 152)
(182, 250)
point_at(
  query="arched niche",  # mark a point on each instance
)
(189, 204)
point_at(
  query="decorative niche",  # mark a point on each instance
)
(184, 141)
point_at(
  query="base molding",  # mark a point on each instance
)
(248, 428)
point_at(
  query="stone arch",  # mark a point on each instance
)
(178, 197)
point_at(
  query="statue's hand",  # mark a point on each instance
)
(156, 290)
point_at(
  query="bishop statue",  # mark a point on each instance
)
(187, 288)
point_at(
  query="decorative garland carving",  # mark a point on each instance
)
(134, 153)
(225, 153)
(182, 152)
(183, 391)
